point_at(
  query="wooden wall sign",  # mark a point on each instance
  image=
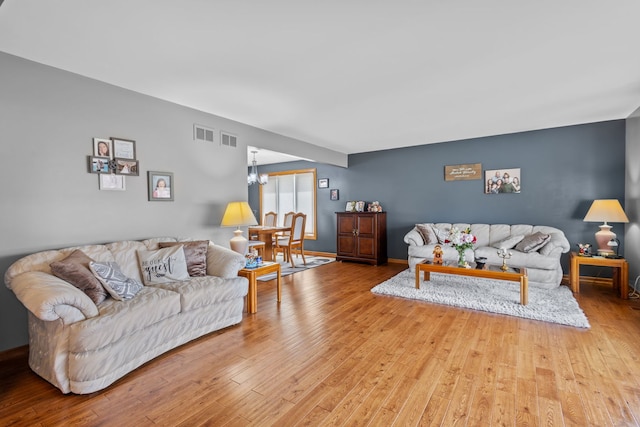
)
(463, 172)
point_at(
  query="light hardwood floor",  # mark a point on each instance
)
(332, 353)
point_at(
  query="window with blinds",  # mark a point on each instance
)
(291, 191)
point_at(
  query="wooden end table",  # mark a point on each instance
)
(252, 274)
(620, 271)
(488, 272)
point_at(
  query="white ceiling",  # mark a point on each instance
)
(351, 75)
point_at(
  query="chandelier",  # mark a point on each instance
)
(253, 177)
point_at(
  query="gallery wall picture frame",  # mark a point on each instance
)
(161, 186)
(502, 181)
(323, 183)
(111, 182)
(102, 147)
(98, 164)
(124, 148)
(334, 194)
(127, 167)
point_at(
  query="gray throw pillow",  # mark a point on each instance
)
(427, 234)
(118, 285)
(533, 242)
(75, 270)
(509, 242)
(195, 253)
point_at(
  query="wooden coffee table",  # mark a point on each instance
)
(252, 274)
(488, 272)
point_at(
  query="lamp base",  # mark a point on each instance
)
(238, 242)
(603, 237)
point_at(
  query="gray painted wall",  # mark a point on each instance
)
(563, 171)
(632, 188)
(48, 118)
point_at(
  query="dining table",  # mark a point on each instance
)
(265, 234)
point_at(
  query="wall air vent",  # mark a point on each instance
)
(202, 133)
(228, 139)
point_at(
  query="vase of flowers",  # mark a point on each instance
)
(461, 240)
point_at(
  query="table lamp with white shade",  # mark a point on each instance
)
(606, 210)
(238, 214)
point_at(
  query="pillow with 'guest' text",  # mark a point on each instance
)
(163, 265)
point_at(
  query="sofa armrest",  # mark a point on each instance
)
(557, 245)
(223, 262)
(50, 298)
(413, 238)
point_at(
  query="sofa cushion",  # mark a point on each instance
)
(120, 319)
(119, 286)
(163, 265)
(195, 253)
(509, 242)
(533, 242)
(75, 270)
(206, 291)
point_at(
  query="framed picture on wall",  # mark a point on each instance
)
(112, 182)
(124, 148)
(98, 164)
(334, 194)
(161, 186)
(502, 181)
(102, 148)
(323, 183)
(127, 167)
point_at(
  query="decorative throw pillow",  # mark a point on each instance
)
(75, 270)
(533, 242)
(441, 235)
(195, 253)
(427, 234)
(118, 285)
(164, 265)
(509, 242)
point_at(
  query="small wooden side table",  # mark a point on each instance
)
(620, 271)
(252, 274)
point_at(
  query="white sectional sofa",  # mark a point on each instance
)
(542, 263)
(82, 341)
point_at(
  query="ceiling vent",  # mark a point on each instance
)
(228, 139)
(202, 133)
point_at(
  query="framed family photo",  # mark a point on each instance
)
(98, 164)
(502, 181)
(127, 167)
(102, 148)
(161, 186)
(334, 194)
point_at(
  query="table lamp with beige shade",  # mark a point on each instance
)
(238, 214)
(605, 210)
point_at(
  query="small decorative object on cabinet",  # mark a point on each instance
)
(362, 236)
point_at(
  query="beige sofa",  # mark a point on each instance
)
(81, 347)
(542, 264)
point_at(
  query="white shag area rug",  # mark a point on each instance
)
(495, 296)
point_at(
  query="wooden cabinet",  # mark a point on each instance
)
(362, 236)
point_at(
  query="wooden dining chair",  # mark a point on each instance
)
(295, 241)
(270, 219)
(288, 219)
